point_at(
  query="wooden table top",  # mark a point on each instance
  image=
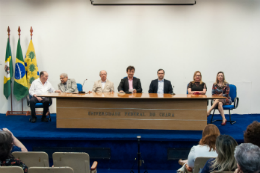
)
(131, 96)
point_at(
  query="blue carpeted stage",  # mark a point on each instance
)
(123, 143)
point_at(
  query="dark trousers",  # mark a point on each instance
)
(46, 103)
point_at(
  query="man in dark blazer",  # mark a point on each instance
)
(160, 85)
(130, 83)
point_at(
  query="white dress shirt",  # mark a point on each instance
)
(160, 86)
(200, 151)
(38, 88)
(103, 84)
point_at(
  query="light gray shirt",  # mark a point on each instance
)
(160, 86)
(103, 84)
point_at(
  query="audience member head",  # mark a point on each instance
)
(43, 76)
(6, 144)
(225, 147)
(160, 74)
(103, 75)
(209, 136)
(220, 78)
(130, 70)
(248, 158)
(63, 78)
(197, 77)
(252, 133)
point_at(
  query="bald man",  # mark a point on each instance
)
(103, 85)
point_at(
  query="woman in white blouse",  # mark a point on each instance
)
(206, 147)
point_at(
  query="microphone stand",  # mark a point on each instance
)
(83, 92)
(139, 158)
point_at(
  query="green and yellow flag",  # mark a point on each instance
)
(8, 70)
(20, 82)
(31, 65)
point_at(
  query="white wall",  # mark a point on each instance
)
(75, 37)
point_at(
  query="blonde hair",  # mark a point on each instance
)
(225, 161)
(195, 75)
(224, 80)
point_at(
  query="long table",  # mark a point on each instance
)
(131, 111)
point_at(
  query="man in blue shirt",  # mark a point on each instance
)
(160, 85)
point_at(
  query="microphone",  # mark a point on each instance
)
(83, 92)
(172, 90)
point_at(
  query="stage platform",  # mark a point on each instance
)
(122, 143)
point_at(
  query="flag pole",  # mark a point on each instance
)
(8, 31)
(19, 34)
(31, 31)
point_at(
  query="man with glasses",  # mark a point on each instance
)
(160, 85)
(67, 85)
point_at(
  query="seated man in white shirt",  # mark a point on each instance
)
(103, 85)
(38, 87)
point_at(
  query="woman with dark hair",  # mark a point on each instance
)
(225, 161)
(221, 88)
(6, 145)
(206, 147)
(252, 134)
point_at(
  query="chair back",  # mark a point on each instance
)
(200, 163)
(232, 92)
(33, 159)
(11, 169)
(79, 162)
(224, 172)
(79, 86)
(50, 170)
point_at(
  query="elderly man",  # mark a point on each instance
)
(160, 85)
(67, 85)
(248, 158)
(130, 83)
(103, 85)
(40, 86)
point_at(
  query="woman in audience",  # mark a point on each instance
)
(197, 86)
(6, 158)
(252, 133)
(221, 88)
(206, 147)
(17, 145)
(225, 161)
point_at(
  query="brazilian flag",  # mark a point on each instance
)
(31, 67)
(8, 70)
(20, 82)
